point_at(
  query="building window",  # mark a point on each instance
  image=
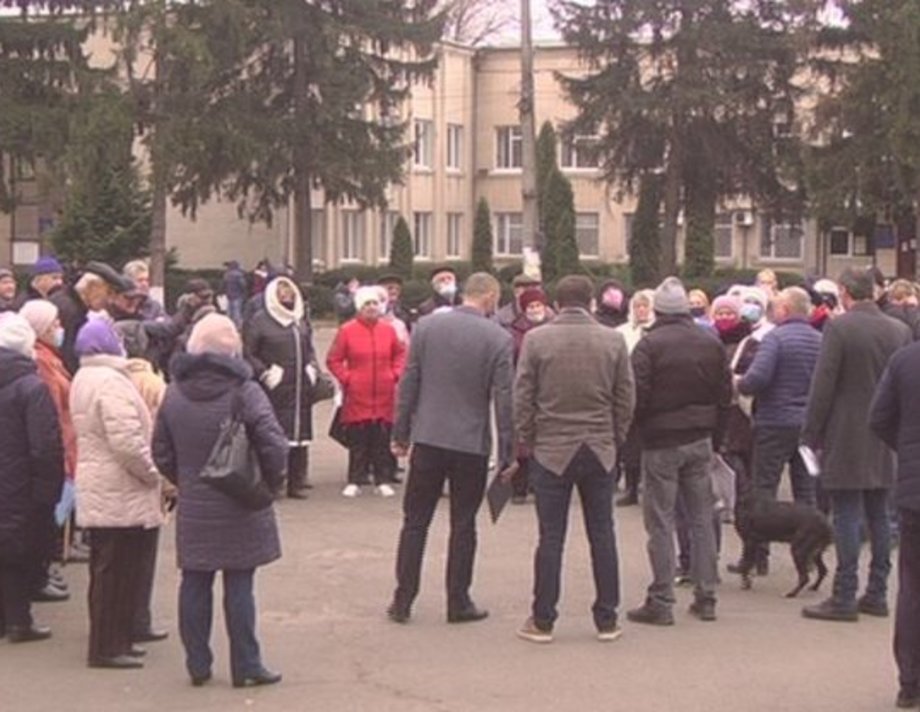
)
(454, 147)
(723, 236)
(388, 220)
(454, 235)
(353, 243)
(422, 235)
(839, 240)
(579, 152)
(587, 234)
(509, 234)
(508, 147)
(423, 146)
(781, 241)
(318, 235)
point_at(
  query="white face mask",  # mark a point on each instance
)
(447, 290)
(58, 338)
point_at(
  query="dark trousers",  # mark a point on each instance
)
(44, 531)
(630, 462)
(907, 616)
(369, 448)
(146, 567)
(114, 577)
(520, 481)
(196, 613)
(773, 448)
(554, 493)
(466, 475)
(298, 465)
(849, 508)
(15, 590)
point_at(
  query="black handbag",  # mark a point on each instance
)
(323, 389)
(233, 465)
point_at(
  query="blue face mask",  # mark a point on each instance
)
(751, 313)
(58, 338)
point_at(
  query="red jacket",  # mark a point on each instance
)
(52, 371)
(367, 359)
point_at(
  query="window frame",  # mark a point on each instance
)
(454, 235)
(729, 224)
(422, 145)
(568, 148)
(455, 139)
(388, 220)
(769, 230)
(511, 135)
(597, 234)
(506, 220)
(419, 218)
(360, 233)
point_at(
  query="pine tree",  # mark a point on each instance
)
(401, 252)
(645, 238)
(546, 165)
(482, 238)
(567, 251)
(558, 206)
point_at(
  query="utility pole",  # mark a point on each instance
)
(530, 214)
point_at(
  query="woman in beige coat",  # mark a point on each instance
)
(118, 490)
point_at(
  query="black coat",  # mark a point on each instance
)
(73, 314)
(908, 315)
(895, 419)
(212, 531)
(268, 343)
(683, 384)
(31, 457)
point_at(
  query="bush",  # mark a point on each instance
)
(482, 238)
(401, 252)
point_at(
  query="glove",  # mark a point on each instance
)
(272, 376)
(311, 373)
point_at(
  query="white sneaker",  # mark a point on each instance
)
(351, 490)
(385, 490)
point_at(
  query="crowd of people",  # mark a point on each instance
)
(111, 407)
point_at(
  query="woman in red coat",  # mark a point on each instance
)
(367, 358)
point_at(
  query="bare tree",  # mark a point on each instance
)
(475, 22)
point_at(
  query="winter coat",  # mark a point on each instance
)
(73, 314)
(149, 384)
(854, 353)
(631, 330)
(213, 531)
(31, 457)
(278, 337)
(436, 302)
(52, 371)
(234, 284)
(906, 314)
(683, 385)
(895, 418)
(519, 329)
(117, 483)
(367, 358)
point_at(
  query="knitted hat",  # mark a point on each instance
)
(533, 295)
(98, 337)
(40, 314)
(726, 302)
(612, 297)
(755, 294)
(365, 295)
(16, 334)
(215, 334)
(46, 265)
(671, 297)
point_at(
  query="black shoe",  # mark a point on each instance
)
(263, 677)
(470, 614)
(650, 614)
(50, 594)
(27, 634)
(398, 614)
(831, 610)
(871, 607)
(703, 609)
(908, 698)
(200, 680)
(307, 485)
(151, 636)
(629, 499)
(116, 662)
(298, 493)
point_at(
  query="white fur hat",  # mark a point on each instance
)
(16, 334)
(365, 295)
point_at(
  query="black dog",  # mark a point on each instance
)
(759, 520)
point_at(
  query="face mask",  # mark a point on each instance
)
(58, 338)
(288, 303)
(751, 313)
(536, 318)
(725, 324)
(697, 312)
(447, 290)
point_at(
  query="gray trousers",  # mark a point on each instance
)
(684, 468)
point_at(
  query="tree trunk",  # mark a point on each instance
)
(672, 185)
(303, 224)
(158, 232)
(530, 217)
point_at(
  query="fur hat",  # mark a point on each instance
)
(671, 297)
(365, 295)
(40, 314)
(215, 334)
(16, 334)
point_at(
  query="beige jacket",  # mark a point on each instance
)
(117, 483)
(149, 384)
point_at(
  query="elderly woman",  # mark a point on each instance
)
(118, 490)
(31, 474)
(213, 531)
(279, 347)
(367, 358)
(641, 317)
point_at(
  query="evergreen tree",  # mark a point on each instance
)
(401, 252)
(567, 247)
(546, 165)
(482, 238)
(645, 238)
(558, 206)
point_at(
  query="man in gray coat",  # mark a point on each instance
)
(459, 361)
(857, 469)
(573, 403)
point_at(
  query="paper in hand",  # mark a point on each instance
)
(811, 460)
(500, 492)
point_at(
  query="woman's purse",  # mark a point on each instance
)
(320, 387)
(233, 465)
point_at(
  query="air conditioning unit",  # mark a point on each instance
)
(744, 218)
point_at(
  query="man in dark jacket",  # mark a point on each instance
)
(683, 393)
(459, 362)
(612, 304)
(446, 294)
(235, 290)
(393, 283)
(47, 279)
(895, 419)
(573, 401)
(31, 475)
(857, 468)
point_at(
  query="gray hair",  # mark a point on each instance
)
(135, 268)
(796, 300)
(481, 284)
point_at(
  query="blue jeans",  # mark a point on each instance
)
(849, 508)
(196, 614)
(554, 493)
(235, 310)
